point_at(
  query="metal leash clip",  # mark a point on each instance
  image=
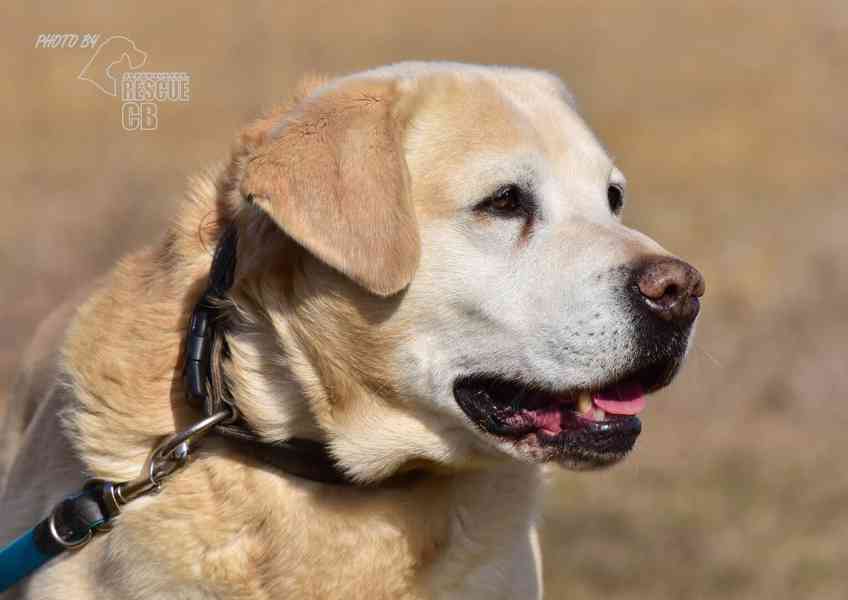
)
(75, 520)
(171, 454)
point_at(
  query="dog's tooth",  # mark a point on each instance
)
(599, 414)
(584, 403)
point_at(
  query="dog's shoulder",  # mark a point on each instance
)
(36, 378)
(33, 447)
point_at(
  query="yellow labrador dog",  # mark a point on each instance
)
(429, 282)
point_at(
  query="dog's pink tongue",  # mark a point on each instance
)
(623, 399)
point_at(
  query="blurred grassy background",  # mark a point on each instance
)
(728, 119)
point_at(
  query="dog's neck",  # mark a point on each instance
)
(123, 361)
(128, 345)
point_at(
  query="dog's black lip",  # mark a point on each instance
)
(483, 398)
(614, 437)
(654, 376)
(581, 442)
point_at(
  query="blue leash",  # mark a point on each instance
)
(71, 524)
(75, 520)
(19, 559)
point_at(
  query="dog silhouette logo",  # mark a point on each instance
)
(113, 57)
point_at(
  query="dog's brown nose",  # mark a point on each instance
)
(671, 289)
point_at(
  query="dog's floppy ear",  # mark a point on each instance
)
(332, 174)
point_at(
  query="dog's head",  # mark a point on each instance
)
(444, 278)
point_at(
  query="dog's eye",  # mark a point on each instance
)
(508, 201)
(615, 197)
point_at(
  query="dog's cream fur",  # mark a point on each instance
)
(364, 286)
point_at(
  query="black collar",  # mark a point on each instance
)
(206, 388)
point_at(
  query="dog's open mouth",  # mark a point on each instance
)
(582, 428)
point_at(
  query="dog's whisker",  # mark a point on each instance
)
(712, 358)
